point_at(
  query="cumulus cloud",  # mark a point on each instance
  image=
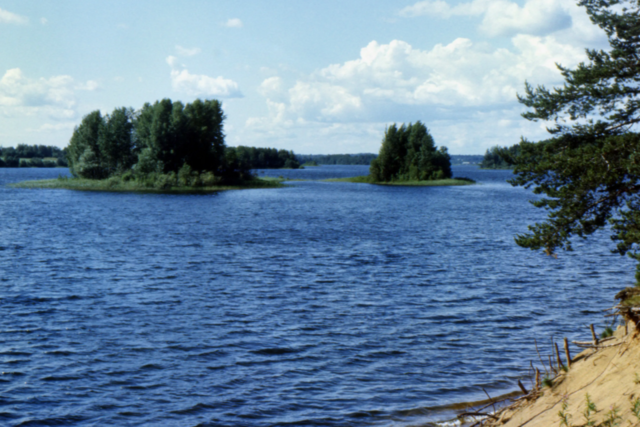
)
(502, 17)
(450, 84)
(457, 74)
(234, 23)
(7, 17)
(273, 88)
(55, 127)
(172, 61)
(199, 84)
(184, 51)
(55, 96)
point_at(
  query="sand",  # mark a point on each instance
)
(611, 377)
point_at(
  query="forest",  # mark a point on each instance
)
(337, 159)
(23, 155)
(262, 158)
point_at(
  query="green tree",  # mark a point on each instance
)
(494, 158)
(175, 134)
(205, 136)
(153, 130)
(115, 141)
(409, 153)
(83, 153)
(589, 170)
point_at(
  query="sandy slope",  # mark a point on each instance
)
(608, 375)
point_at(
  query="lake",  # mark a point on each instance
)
(317, 304)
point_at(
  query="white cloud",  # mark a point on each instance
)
(7, 17)
(172, 61)
(234, 23)
(54, 96)
(273, 88)
(44, 21)
(183, 51)
(458, 74)
(502, 17)
(89, 85)
(457, 86)
(200, 84)
(55, 127)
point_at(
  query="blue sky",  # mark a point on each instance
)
(313, 76)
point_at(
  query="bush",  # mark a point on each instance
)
(147, 163)
(88, 166)
(12, 162)
(49, 164)
(208, 179)
(184, 176)
(127, 176)
(165, 181)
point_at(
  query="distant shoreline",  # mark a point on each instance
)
(366, 179)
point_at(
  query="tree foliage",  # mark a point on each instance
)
(409, 153)
(159, 138)
(495, 159)
(337, 159)
(175, 134)
(83, 152)
(589, 170)
(263, 158)
(32, 156)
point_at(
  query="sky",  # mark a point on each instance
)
(312, 76)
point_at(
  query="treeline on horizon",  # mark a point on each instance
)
(262, 158)
(23, 155)
(459, 159)
(367, 158)
(337, 159)
(496, 157)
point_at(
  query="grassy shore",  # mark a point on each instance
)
(366, 179)
(118, 185)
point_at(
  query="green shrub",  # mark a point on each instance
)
(164, 181)
(208, 179)
(608, 331)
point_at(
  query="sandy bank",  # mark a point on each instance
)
(610, 375)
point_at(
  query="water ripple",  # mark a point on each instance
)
(317, 304)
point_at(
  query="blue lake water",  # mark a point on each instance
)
(325, 304)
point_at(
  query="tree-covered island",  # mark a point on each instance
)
(165, 146)
(409, 156)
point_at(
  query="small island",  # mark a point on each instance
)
(409, 157)
(164, 147)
